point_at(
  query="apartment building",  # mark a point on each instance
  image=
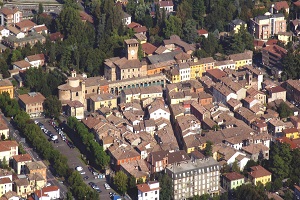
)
(194, 177)
(265, 26)
(32, 103)
(259, 174)
(272, 56)
(148, 191)
(292, 90)
(10, 16)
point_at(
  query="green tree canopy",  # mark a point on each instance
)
(121, 182)
(52, 106)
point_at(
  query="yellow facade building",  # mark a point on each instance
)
(259, 174)
(7, 86)
(242, 59)
(102, 100)
(291, 133)
(198, 67)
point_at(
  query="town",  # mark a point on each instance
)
(149, 100)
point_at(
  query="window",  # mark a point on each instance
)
(155, 193)
(146, 194)
(76, 94)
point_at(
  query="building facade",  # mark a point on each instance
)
(32, 103)
(194, 177)
(148, 191)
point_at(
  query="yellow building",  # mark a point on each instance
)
(22, 187)
(102, 100)
(242, 59)
(198, 67)
(173, 75)
(259, 174)
(285, 37)
(291, 133)
(235, 25)
(7, 86)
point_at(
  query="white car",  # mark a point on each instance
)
(82, 172)
(79, 168)
(107, 186)
(48, 184)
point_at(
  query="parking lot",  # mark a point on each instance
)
(74, 159)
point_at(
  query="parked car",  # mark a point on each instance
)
(79, 168)
(56, 141)
(83, 172)
(86, 178)
(91, 183)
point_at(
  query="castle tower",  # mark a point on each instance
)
(132, 47)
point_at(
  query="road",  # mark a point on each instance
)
(50, 177)
(74, 160)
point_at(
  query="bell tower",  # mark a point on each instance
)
(132, 47)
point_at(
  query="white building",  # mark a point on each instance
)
(158, 109)
(3, 32)
(166, 5)
(148, 191)
(224, 64)
(126, 19)
(222, 93)
(36, 60)
(184, 71)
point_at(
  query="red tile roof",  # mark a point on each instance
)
(165, 3)
(36, 57)
(56, 36)
(297, 3)
(32, 98)
(148, 48)
(276, 89)
(258, 43)
(26, 24)
(202, 32)
(216, 73)
(22, 158)
(271, 42)
(133, 25)
(140, 29)
(258, 171)
(145, 187)
(276, 50)
(86, 17)
(281, 5)
(233, 176)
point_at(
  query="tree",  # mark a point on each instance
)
(235, 167)
(166, 190)
(120, 181)
(52, 106)
(131, 182)
(284, 110)
(190, 31)
(41, 8)
(172, 26)
(208, 148)
(288, 195)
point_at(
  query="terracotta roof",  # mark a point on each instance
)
(46, 190)
(140, 29)
(276, 50)
(22, 182)
(290, 130)
(165, 3)
(86, 17)
(216, 73)
(233, 176)
(281, 5)
(8, 144)
(23, 64)
(36, 57)
(276, 89)
(145, 187)
(75, 104)
(33, 97)
(247, 55)
(133, 25)
(259, 171)
(258, 43)
(56, 36)
(255, 148)
(26, 24)
(148, 48)
(5, 180)
(102, 97)
(271, 42)
(36, 165)
(202, 31)
(40, 28)
(293, 144)
(8, 11)
(22, 158)
(297, 3)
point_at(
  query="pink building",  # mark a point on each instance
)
(265, 26)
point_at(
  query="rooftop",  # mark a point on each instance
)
(259, 171)
(233, 176)
(32, 97)
(192, 165)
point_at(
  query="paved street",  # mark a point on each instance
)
(74, 160)
(50, 177)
